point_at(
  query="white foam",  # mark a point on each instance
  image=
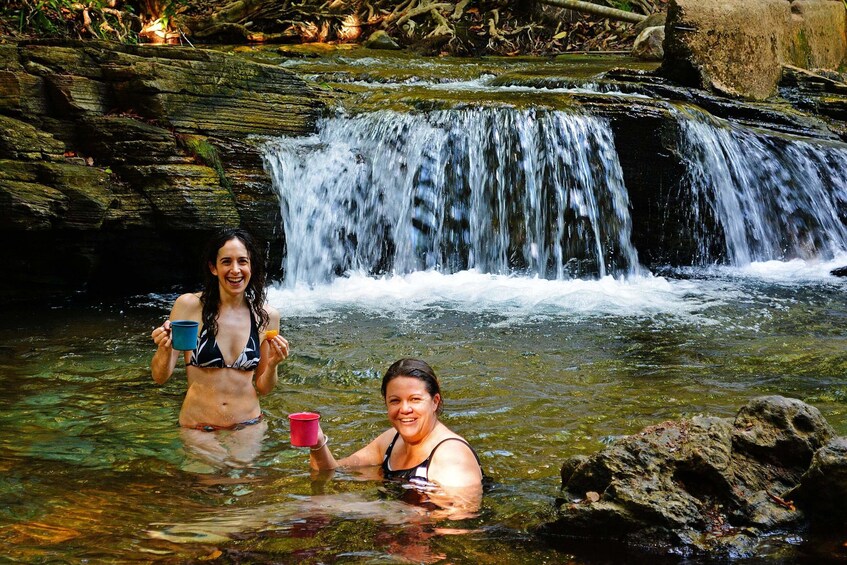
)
(514, 298)
(783, 273)
(698, 299)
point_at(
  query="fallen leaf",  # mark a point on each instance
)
(214, 555)
(789, 504)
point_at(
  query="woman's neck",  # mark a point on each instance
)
(422, 442)
(232, 301)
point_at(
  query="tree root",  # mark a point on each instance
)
(442, 28)
(95, 20)
(422, 9)
(459, 10)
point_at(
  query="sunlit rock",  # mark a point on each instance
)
(738, 48)
(735, 48)
(648, 45)
(818, 39)
(381, 40)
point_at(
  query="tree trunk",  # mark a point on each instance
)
(595, 9)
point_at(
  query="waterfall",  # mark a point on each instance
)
(500, 190)
(541, 193)
(760, 197)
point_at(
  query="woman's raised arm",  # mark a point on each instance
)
(321, 458)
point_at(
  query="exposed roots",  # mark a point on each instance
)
(458, 27)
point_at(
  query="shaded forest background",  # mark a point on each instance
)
(432, 27)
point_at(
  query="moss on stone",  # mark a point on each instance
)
(202, 149)
(802, 52)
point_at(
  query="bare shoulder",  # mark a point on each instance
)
(385, 438)
(189, 299)
(272, 312)
(372, 453)
(454, 463)
(380, 443)
(187, 306)
(456, 446)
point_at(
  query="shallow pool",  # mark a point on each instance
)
(94, 469)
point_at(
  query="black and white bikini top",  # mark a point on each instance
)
(420, 472)
(208, 354)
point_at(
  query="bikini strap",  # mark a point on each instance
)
(431, 453)
(389, 449)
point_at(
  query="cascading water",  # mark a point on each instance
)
(758, 197)
(540, 193)
(494, 189)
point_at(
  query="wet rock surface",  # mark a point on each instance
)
(114, 158)
(706, 485)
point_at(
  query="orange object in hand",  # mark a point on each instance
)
(270, 334)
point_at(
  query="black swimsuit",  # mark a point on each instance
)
(420, 472)
(208, 354)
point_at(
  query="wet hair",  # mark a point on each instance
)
(255, 292)
(417, 369)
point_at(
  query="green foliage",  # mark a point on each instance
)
(99, 19)
(42, 16)
(62, 18)
(173, 6)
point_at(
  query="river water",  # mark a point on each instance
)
(536, 365)
(533, 371)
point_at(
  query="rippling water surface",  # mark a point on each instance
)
(93, 466)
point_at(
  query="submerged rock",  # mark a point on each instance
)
(707, 484)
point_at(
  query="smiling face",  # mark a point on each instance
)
(232, 267)
(412, 411)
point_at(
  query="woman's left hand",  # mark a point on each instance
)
(278, 349)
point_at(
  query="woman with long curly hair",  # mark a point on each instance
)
(238, 348)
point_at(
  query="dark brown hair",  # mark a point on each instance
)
(417, 369)
(255, 293)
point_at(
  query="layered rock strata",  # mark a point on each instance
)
(116, 162)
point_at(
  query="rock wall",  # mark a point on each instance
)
(116, 162)
(818, 34)
(738, 47)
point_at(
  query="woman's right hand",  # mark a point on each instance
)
(162, 336)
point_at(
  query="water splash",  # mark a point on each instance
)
(498, 190)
